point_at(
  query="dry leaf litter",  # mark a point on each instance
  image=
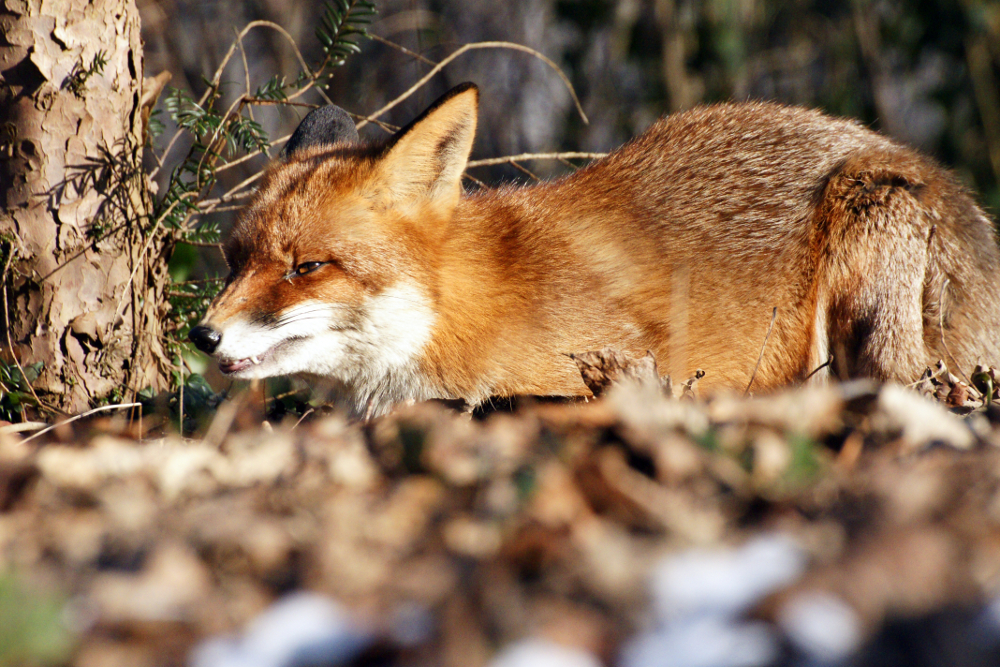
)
(850, 524)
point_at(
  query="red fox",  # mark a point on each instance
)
(366, 264)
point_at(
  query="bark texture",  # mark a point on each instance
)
(85, 286)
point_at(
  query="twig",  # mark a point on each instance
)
(535, 156)
(473, 47)
(400, 47)
(475, 180)
(200, 244)
(210, 153)
(944, 343)
(940, 369)
(774, 316)
(829, 361)
(388, 127)
(243, 33)
(22, 427)
(246, 74)
(225, 61)
(203, 281)
(261, 102)
(286, 394)
(180, 397)
(231, 194)
(138, 262)
(103, 408)
(524, 170)
(182, 295)
(304, 415)
(223, 209)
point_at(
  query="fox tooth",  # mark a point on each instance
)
(255, 360)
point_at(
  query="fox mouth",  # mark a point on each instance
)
(230, 366)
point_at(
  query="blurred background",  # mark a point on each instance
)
(924, 71)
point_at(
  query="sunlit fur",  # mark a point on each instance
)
(371, 348)
(681, 242)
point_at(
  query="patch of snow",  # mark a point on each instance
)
(709, 641)
(543, 653)
(724, 582)
(821, 626)
(298, 630)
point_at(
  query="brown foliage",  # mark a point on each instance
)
(544, 523)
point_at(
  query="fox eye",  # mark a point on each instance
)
(307, 267)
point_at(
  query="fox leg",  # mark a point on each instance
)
(872, 241)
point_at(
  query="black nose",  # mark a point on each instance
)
(205, 339)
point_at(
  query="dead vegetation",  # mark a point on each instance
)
(447, 538)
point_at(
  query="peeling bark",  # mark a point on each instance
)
(86, 290)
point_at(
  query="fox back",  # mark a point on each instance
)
(367, 265)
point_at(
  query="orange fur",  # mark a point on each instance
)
(682, 242)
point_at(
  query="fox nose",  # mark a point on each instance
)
(205, 339)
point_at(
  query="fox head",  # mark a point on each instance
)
(332, 263)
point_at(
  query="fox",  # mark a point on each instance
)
(756, 242)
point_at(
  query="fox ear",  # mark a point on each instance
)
(324, 126)
(425, 159)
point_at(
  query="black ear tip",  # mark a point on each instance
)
(458, 90)
(322, 126)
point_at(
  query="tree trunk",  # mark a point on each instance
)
(85, 285)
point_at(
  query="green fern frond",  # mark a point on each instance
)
(273, 89)
(246, 134)
(206, 232)
(343, 24)
(154, 126)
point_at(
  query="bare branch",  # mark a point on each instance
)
(524, 170)
(200, 244)
(403, 49)
(388, 127)
(246, 75)
(250, 156)
(473, 47)
(475, 180)
(103, 408)
(257, 101)
(233, 193)
(523, 157)
(217, 77)
(774, 316)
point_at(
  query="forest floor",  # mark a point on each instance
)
(844, 524)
